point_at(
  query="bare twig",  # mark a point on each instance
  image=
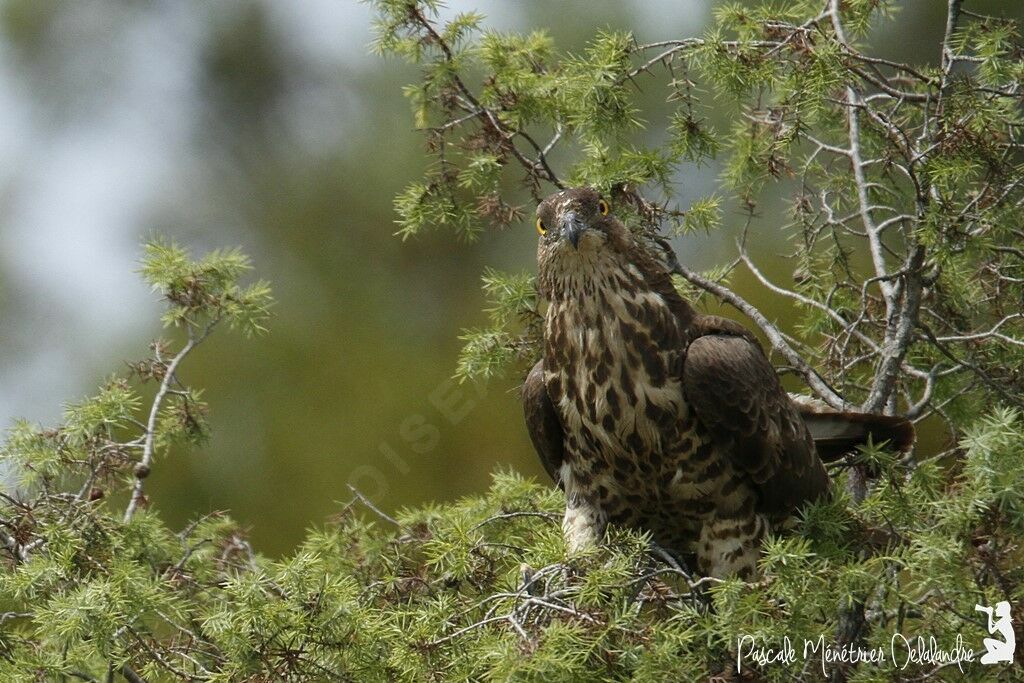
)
(517, 514)
(369, 504)
(142, 468)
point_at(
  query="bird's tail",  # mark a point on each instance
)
(837, 434)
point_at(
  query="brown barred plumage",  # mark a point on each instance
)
(652, 415)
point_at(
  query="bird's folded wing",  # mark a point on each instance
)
(542, 422)
(735, 393)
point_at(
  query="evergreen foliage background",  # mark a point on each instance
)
(905, 184)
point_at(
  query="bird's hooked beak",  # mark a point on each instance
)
(572, 227)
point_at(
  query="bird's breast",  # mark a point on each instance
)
(614, 353)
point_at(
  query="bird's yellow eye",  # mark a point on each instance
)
(541, 229)
(603, 207)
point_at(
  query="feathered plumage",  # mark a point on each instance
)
(653, 415)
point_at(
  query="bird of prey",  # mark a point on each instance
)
(652, 415)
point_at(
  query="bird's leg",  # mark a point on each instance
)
(583, 524)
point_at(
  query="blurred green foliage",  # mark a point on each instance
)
(367, 326)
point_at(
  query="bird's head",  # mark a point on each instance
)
(578, 232)
(578, 219)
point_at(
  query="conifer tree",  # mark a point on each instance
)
(905, 188)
